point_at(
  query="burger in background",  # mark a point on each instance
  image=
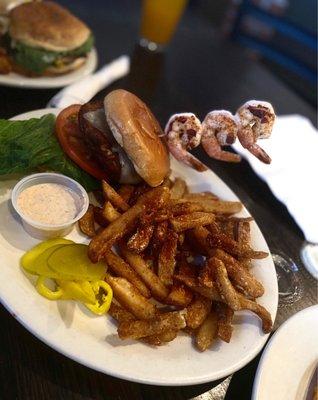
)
(44, 38)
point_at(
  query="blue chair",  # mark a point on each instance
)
(291, 47)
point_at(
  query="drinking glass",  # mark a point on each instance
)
(159, 21)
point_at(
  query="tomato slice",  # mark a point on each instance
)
(72, 142)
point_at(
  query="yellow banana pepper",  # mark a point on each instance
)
(101, 307)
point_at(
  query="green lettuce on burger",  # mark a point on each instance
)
(46, 39)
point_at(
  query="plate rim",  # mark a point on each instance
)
(265, 356)
(53, 82)
(210, 377)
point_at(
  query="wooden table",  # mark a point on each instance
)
(199, 72)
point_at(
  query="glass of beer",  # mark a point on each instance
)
(159, 21)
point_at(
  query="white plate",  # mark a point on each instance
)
(50, 82)
(92, 341)
(289, 359)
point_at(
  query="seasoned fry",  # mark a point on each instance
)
(264, 315)
(197, 197)
(190, 221)
(138, 329)
(161, 232)
(99, 217)
(139, 191)
(178, 189)
(192, 283)
(125, 223)
(225, 317)
(113, 232)
(157, 288)
(167, 258)
(119, 313)
(180, 295)
(86, 223)
(240, 276)
(125, 192)
(197, 311)
(232, 247)
(139, 241)
(122, 269)
(109, 213)
(205, 335)
(129, 297)
(207, 275)
(197, 239)
(215, 206)
(111, 195)
(243, 237)
(224, 285)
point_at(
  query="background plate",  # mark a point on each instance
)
(73, 331)
(289, 359)
(50, 82)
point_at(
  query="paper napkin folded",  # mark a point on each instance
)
(293, 174)
(82, 91)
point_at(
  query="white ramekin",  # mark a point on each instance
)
(46, 231)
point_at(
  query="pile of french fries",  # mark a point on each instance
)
(177, 261)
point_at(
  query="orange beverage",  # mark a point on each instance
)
(160, 19)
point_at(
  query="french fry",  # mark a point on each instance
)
(193, 197)
(197, 311)
(139, 241)
(230, 246)
(225, 317)
(120, 315)
(167, 258)
(130, 298)
(125, 192)
(190, 221)
(178, 189)
(240, 276)
(243, 237)
(125, 223)
(192, 283)
(111, 195)
(161, 323)
(180, 295)
(122, 269)
(224, 285)
(99, 217)
(207, 275)
(197, 239)
(157, 288)
(263, 314)
(109, 213)
(86, 223)
(205, 335)
(215, 206)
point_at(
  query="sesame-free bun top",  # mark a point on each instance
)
(137, 131)
(47, 25)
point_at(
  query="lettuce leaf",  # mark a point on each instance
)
(37, 60)
(31, 145)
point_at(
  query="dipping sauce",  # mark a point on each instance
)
(48, 203)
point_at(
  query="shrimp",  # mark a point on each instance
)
(256, 119)
(183, 133)
(219, 128)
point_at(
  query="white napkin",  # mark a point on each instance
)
(293, 174)
(82, 91)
